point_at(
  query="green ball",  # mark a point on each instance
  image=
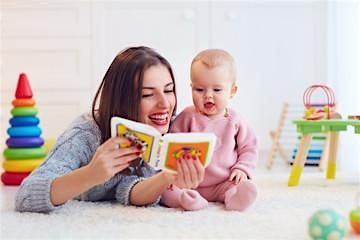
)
(327, 224)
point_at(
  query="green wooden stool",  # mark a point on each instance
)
(308, 128)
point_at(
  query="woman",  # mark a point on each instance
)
(86, 162)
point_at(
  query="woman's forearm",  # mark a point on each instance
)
(150, 189)
(70, 185)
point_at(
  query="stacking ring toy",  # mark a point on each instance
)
(24, 131)
(9, 178)
(24, 111)
(24, 142)
(24, 153)
(21, 166)
(24, 121)
(23, 102)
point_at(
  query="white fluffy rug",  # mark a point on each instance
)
(279, 213)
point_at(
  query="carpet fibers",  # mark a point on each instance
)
(279, 213)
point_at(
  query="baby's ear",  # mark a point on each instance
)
(233, 90)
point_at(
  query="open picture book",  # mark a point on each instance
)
(162, 152)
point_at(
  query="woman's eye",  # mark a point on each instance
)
(169, 91)
(146, 95)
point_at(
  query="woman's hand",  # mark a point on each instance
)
(190, 173)
(109, 159)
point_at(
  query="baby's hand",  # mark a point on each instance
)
(237, 175)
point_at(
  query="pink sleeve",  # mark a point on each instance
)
(247, 150)
(181, 123)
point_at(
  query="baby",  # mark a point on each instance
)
(228, 177)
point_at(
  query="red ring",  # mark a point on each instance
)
(13, 178)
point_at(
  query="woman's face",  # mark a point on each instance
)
(157, 98)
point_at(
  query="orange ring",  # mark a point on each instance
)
(23, 102)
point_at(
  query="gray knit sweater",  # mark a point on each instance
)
(74, 149)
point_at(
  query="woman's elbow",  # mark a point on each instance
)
(24, 201)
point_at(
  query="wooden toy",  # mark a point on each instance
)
(308, 128)
(276, 145)
(285, 139)
(314, 113)
(328, 125)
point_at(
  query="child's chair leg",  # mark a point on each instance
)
(325, 153)
(299, 161)
(333, 144)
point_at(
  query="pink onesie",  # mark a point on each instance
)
(236, 148)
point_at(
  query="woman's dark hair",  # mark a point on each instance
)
(119, 93)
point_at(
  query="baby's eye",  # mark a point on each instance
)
(199, 89)
(217, 90)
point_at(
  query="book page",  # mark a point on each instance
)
(187, 146)
(187, 151)
(140, 135)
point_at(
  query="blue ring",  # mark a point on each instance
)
(23, 142)
(24, 131)
(24, 121)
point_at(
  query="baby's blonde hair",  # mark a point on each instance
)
(212, 58)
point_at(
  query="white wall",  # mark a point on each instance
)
(51, 42)
(66, 46)
(281, 47)
(344, 72)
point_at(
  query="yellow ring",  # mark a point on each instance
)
(21, 165)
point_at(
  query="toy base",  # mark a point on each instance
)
(13, 179)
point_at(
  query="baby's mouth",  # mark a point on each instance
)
(209, 105)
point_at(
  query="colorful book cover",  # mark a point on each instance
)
(162, 152)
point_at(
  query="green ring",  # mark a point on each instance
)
(24, 153)
(24, 111)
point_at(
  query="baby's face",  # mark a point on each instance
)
(212, 89)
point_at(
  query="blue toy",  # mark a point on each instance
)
(21, 142)
(24, 121)
(33, 131)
